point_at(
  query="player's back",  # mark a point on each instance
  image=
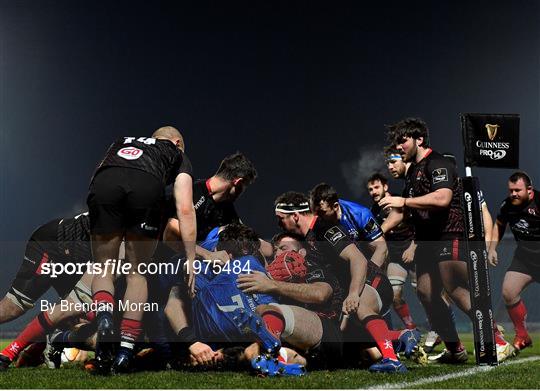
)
(218, 297)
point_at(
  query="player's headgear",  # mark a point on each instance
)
(291, 202)
(289, 266)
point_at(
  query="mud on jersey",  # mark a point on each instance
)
(524, 221)
(435, 172)
(160, 158)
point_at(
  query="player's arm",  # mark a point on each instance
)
(310, 293)
(488, 223)
(408, 254)
(187, 223)
(358, 269)
(266, 248)
(380, 251)
(395, 217)
(496, 235)
(176, 310)
(375, 236)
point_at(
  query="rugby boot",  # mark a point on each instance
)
(504, 351)
(387, 365)
(448, 357)
(123, 362)
(266, 365)
(104, 344)
(521, 343)
(53, 351)
(248, 321)
(408, 342)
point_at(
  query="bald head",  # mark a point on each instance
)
(170, 133)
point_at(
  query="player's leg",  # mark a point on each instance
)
(397, 276)
(29, 283)
(429, 288)
(139, 249)
(513, 284)
(297, 326)
(455, 278)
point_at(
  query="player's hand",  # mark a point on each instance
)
(351, 303)
(392, 202)
(408, 255)
(202, 354)
(493, 258)
(256, 282)
(222, 257)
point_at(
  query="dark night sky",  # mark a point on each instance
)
(303, 90)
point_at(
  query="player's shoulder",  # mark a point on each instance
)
(355, 207)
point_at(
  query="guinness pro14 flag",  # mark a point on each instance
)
(491, 140)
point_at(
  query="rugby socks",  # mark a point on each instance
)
(104, 302)
(378, 329)
(34, 332)
(274, 321)
(130, 330)
(405, 315)
(518, 314)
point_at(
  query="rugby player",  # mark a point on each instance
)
(359, 222)
(433, 198)
(310, 296)
(125, 203)
(213, 200)
(401, 248)
(330, 244)
(59, 241)
(521, 211)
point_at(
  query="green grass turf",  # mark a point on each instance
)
(524, 375)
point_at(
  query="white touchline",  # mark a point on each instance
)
(436, 379)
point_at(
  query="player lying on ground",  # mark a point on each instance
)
(307, 317)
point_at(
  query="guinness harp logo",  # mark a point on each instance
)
(491, 131)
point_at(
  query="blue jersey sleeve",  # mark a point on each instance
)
(365, 222)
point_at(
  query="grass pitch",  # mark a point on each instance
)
(521, 372)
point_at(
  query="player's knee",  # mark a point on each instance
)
(509, 295)
(9, 310)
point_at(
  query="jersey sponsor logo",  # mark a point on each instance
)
(316, 275)
(130, 153)
(200, 202)
(439, 175)
(532, 211)
(371, 226)
(334, 235)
